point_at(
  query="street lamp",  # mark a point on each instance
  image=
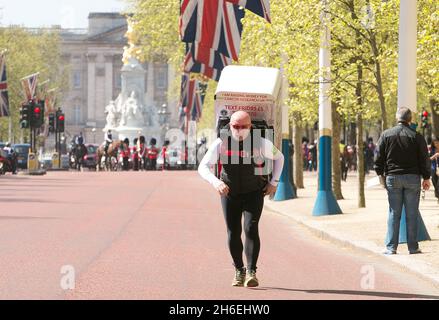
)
(163, 119)
(164, 114)
(94, 135)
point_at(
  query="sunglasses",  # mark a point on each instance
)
(236, 127)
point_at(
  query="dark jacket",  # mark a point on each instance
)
(434, 163)
(402, 150)
(239, 167)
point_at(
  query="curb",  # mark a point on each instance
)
(420, 268)
(58, 170)
(34, 173)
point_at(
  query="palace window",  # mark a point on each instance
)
(162, 78)
(77, 115)
(77, 79)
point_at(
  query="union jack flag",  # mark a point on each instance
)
(212, 26)
(4, 97)
(200, 95)
(41, 92)
(29, 84)
(190, 65)
(259, 7)
(193, 94)
(51, 100)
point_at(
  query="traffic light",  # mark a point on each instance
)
(37, 117)
(60, 122)
(425, 119)
(52, 123)
(25, 116)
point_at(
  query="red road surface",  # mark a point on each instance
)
(155, 235)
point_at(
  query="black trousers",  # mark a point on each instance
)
(435, 180)
(234, 207)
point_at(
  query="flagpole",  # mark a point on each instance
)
(10, 128)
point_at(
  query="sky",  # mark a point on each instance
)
(45, 13)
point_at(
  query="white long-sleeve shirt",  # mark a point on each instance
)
(268, 150)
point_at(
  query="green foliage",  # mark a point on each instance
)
(428, 51)
(28, 53)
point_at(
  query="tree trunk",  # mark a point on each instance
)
(336, 166)
(359, 136)
(298, 154)
(352, 134)
(379, 79)
(434, 105)
(361, 164)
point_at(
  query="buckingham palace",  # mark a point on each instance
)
(93, 57)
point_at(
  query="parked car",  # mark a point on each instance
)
(22, 151)
(90, 160)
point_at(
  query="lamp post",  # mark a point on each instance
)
(94, 135)
(326, 203)
(164, 118)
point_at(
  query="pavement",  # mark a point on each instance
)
(162, 236)
(365, 229)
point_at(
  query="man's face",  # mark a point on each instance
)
(240, 128)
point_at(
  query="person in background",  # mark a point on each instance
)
(401, 161)
(434, 157)
(153, 153)
(164, 154)
(125, 153)
(135, 154)
(143, 152)
(12, 157)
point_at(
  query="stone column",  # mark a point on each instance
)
(108, 78)
(91, 96)
(150, 84)
(173, 102)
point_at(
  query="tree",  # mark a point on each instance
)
(28, 52)
(428, 66)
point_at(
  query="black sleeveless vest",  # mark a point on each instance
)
(242, 169)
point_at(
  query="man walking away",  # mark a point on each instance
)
(435, 166)
(401, 159)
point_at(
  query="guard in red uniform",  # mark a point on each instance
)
(164, 154)
(153, 154)
(143, 153)
(126, 153)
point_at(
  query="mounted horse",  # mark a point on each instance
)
(108, 161)
(78, 154)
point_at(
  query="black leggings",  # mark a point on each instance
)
(234, 206)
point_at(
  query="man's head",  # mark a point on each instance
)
(240, 125)
(404, 115)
